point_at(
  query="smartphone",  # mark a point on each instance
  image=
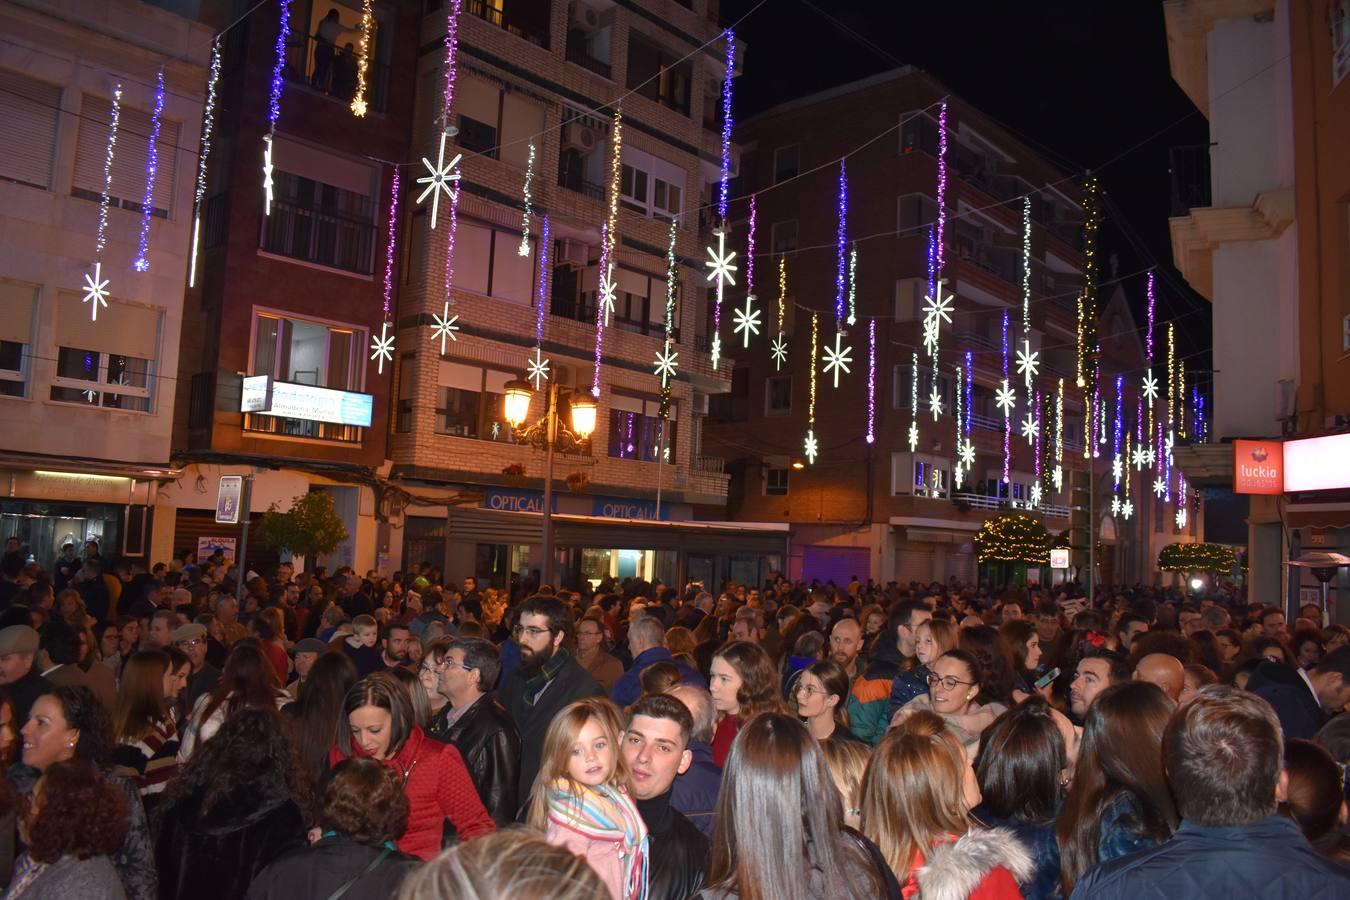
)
(1047, 678)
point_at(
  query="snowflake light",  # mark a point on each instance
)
(382, 347)
(723, 269)
(1028, 364)
(936, 306)
(605, 299)
(1138, 457)
(1057, 477)
(1005, 398)
(1150, 388)
(1116, 467)
(1115, 506)
(812, 447)
(537, 368)
(967, 453)
(747, 320)
(1030, 427)
(439, 179)
(95, 291)
(268, 168)
(1127, 508)
(935, 403)
(444, 326)
(838, 358)
(1036, 494)
(1181, 518)
(666, 365)
(779, 352)
(1158, 486)
(913, 436)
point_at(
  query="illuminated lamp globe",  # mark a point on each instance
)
(1197, 583)
(516, 405)
(583, 415)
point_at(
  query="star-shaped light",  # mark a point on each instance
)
(715, 351)
(537, 368)
(1036, 494)
(496, 430)
(444, 327)
(1149, 457)
(1138, 458)
(747, 320)
(1115, 506)
(382, 347)
(438, 179)
(1028, 363)
(720, 262)
(606, 296)
(1057, 478)
(267, 173)
(935, 403)
(1117, 466)
(1030, 427)
(811, 446)
(958, 477)
(1005, 398)
(666, 364)
(779, 352)
(837, 358)
(1159, 486)
(930, 336)
(1181, 517)
(938, 308)
(1150, 388)
(967, 454)
(1168, 443)
(95, 291)
(913, 436)
(1127, 508)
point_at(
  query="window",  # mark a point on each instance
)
(403, 420)
(526, 19)
(108, 363)
(469, 402)
(659, 74)
(133, 147)
(635, 429)
(902, 385)
(29, 109)
(786, 163)
(775, 482)
(494, 122)
(306, 352)
(650, 186)
(321, 224)
(916, 212)
(777, 395)
(16, 333)
(918, 131)
(930, 477)
(783, 236)
(102, 379)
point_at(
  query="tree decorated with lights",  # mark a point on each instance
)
(1197, 558)
(1013, 538)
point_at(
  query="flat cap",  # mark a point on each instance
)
(188, 632)
(18, 639)
(311, 645)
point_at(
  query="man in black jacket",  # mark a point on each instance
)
(656, 748)
(546, 680)
(479, 727)
(1301, 698)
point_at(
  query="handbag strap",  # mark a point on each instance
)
(371, 867)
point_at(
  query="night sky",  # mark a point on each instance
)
(1082, 82)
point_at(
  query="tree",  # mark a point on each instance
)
(1197, 558)
(309, 528)
(1013, 538)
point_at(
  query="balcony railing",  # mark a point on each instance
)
(323, 238)
(302, 428)
(714, 465)
(981, 501)
(331, 70)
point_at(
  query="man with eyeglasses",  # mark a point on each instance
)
(547, 678)
(478, 725)
(191, 639)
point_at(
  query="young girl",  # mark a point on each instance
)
(580, 799)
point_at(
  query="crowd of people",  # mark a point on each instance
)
(340, 736)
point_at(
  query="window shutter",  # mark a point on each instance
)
(123, 329)
(512, 274)
(16, 312)
(478, 99)
(29, 110)
(129, 157)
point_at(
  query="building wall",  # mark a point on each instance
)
(1243, 54)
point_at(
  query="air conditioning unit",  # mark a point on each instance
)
(574, 253)
(585, 17)
(700, 404)
(579, 137)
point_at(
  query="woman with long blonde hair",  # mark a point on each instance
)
(917, 795)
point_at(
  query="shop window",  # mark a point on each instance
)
(635, 430)
(776, 482)
(128, 167)
(777, 395)
(102, 379)
(301, 351)
(29, 109)
(786, 163)
(783, 236)
(469, 402)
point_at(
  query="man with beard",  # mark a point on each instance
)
(546, 679)
(395, 650)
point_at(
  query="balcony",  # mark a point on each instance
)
(712, 465)
(980, 501)
(331, 70)
(302, 428)
(579, 52)
(526, 19)
(306, 230)
(1190, 176)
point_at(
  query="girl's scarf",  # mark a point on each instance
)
(605, 813)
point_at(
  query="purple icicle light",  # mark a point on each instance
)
(390, 248)
(942, 187)
(1149, 339)
(451, 60)
(723, 184)
(841, 248)
(542, 301)
(871, 381)
(970, 380)
(142, 263)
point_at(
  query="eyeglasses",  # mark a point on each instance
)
(949, 682)
(531, 631)
(191, 642)
(588, 634)
(809, 690)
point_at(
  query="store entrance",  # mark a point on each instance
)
(43, 527)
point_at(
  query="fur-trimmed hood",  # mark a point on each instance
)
(955, 869)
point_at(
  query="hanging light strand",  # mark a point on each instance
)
(390, 254)
(142, 263)
(524, 249)
(208, 126)
(724, 182)
(542, 295)
(367, 29)
(841, 249)
(871, 381)
(114, 125)
(451, 61)
(607, 243)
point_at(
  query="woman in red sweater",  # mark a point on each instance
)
(743, 683)
(381, 725)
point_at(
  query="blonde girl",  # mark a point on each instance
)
(580, 798)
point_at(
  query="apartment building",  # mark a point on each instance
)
(86, 405)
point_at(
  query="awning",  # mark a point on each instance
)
(1317, 515)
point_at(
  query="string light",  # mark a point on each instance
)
(444, 326)
(960, 403)
(451, 61)
(970, 369)
(1181, 398)
(524, 249)
(780, 345)
(1117, 464)
(841, 250)
(1014, 538)
(1037, 448)
(1150, 385)
(941, 254)
(390, 247)
(838, 357)
(666, 363)
(1057, 477)
(853, 284)
(142, 263)
(871, 381)
(810, 443)
(1087, 300)
(1026, 272)
(914, 402)
(95, 285)
(724, 181)
(208, 126)
(747, 320)
(363, 57)
(608, 238)
(1171, 389)
(1007, 400)
(538, 367)
(274, 99)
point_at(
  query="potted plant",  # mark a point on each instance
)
(514, 474)
(578, 482)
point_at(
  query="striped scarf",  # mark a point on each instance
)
(535, 684)
(605, 813)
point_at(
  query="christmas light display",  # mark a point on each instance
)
(1028, 365)
(1087, 300)
(747, 321)
(810, 443)
(780, 345)
(940, 256)
(451, 61)
(1057, 475)
(1026, 273)
(722, 271)
(524, 249)
(838, 358)
(724, 180)
(1006, 399)
(389, 256)
(1181, 399)
(667, 364)
(382, 347)
(1171, 388)
(539, 366)
(1013, 538)
(1197, 558)
(1037, 445)
(444, 326)
(957, 474)
(95, 285)
(274, 100)
(1117, 462)
(1150, 385)
(871, 381)
(841, 251)
(367, 30)
(439, 179)
(208, 126)
(914, 402)
(609, 237)
(142, 263)
(853, 284)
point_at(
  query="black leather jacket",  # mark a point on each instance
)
(679, 851)
(488, 740)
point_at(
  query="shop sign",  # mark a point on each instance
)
(1258, 467)
(1317, 464)
(261, 394)
(207, 547)
(1059, 559)
(228, 499)
(628, 508)
(515, 501)
(86, 487)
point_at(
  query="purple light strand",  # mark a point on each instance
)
(1007, 418)
(723, 185)
(279, 66)
(142, 263)
(1120, 412)
(600, 312)
(932, 261)
(450, 248)
(1036, 448)
(841, 249)
(390, 248)
(970, 380)
(542, 302)
(451, 60)
(871, 381)
(1098, 425)
(1150, 317)
(1005, 343)
(750, 251)
(942, 187)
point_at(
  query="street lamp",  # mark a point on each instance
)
(548, 433)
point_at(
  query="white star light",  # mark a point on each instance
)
(95, 291)
(1005, 398)
(1030, 427)
(382, 347)
(1150, 388)
(779, 352)
(715, 351)
(1057, 478)
(811, 446)
(958, 477)
(267, 173)
(1149, 456)
(747, 320)
(913, 436)
(935, 403)
(1028, 364)
(967, 454)
(1117, 466)
(1115, 506)
(720, 262)
(1127, 508)
(1181, 517)
(1036, 494)
(606, 296)
(1138, 458)
(438, 178)
(444, 327)
(930, 336)
(537, 367)
(838, 358)
(1159, 486)
(666, 365)
(938, 308)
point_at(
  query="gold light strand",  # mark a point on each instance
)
(1087, 300)
(1171, 379)
(363, 57)
(1181, 398)
(615, 171)
(780, 345)
(811, 446)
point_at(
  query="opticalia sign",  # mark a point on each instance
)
(261, 394)
(1258, 467)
